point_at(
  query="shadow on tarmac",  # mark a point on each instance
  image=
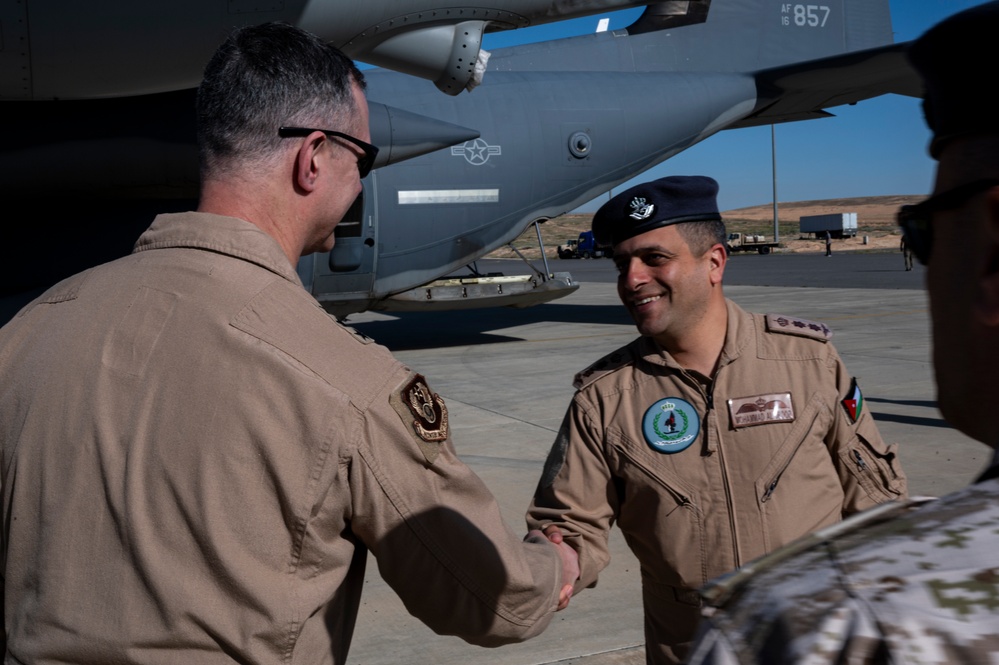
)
(925, 403)
(422, 330)
(911, 420)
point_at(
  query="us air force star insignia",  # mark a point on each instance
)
(854, 401)
(671, 425)
(761, 409)
(640, 209)
(476, 152)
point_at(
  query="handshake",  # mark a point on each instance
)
(570, 560)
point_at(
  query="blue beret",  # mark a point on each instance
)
(954, 59)
(654, 204)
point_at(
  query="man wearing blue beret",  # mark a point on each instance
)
(916, 582)
(716, 436)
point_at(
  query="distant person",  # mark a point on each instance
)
(828, 244)
(716, 436)
(906, 254)
(197, 458)
(917, 582)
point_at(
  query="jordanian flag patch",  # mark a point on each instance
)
(854, 401)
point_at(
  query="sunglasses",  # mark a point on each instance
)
(915, 220)
(364, 164)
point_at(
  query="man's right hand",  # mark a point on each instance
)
(570, 564)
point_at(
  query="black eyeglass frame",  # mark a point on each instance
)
(364, 164)
(915, 220)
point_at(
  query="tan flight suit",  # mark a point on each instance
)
(784, 459)
(196, 458)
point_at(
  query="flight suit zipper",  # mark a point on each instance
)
(681, 499)
(859, 459)
(709, 402)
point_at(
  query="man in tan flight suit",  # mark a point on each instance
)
(716, 436)
(196, 457)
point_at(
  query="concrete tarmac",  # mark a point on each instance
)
(506, 376)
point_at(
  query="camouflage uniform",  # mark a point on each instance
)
(911, 582)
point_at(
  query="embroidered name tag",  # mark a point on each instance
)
(761, 409)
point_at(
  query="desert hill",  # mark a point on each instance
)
(875, 220)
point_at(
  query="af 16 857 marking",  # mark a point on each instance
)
(811, 16)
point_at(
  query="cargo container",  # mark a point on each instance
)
(839, 225)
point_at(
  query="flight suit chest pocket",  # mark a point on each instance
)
(659, 515)
(875, 468)
(799, 490)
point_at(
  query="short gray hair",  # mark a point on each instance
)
(264, 77)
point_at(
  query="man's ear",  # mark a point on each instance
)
(306, 161)
(718, 256)
(987, 305)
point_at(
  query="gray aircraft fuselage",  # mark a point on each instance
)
(552, 126)
(63, 49)
(562, 122)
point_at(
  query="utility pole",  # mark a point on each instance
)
(773, 160)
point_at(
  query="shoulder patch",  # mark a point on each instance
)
(606, 365)
(424, 412)
(789, 325)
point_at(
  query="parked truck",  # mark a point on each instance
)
(748, 242)
(583, 247)
(839, 225)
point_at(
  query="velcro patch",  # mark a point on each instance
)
(854, 401)
(425, 412)
(761, 409)
(789, 325)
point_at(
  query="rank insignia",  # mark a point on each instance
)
(854, 401)
(425, 412)
(671, 425)
(789, 325)
(761, 409)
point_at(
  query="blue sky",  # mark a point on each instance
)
(876, 147)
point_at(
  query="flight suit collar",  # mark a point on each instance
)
(217, 233)
(741, 333)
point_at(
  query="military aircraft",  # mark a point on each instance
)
(59, 49)
(551, 126)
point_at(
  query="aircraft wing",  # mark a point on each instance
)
(803, 90)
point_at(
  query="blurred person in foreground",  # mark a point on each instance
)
(913, 581)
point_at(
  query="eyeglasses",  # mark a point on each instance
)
(364, 164)
(915, 219)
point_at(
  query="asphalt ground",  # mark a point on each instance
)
(845, 270)
(506, 376)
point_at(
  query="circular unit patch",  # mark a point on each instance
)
(671, 425)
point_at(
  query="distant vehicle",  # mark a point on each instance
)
(742, 242)
(584, 247)
(839, 225)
